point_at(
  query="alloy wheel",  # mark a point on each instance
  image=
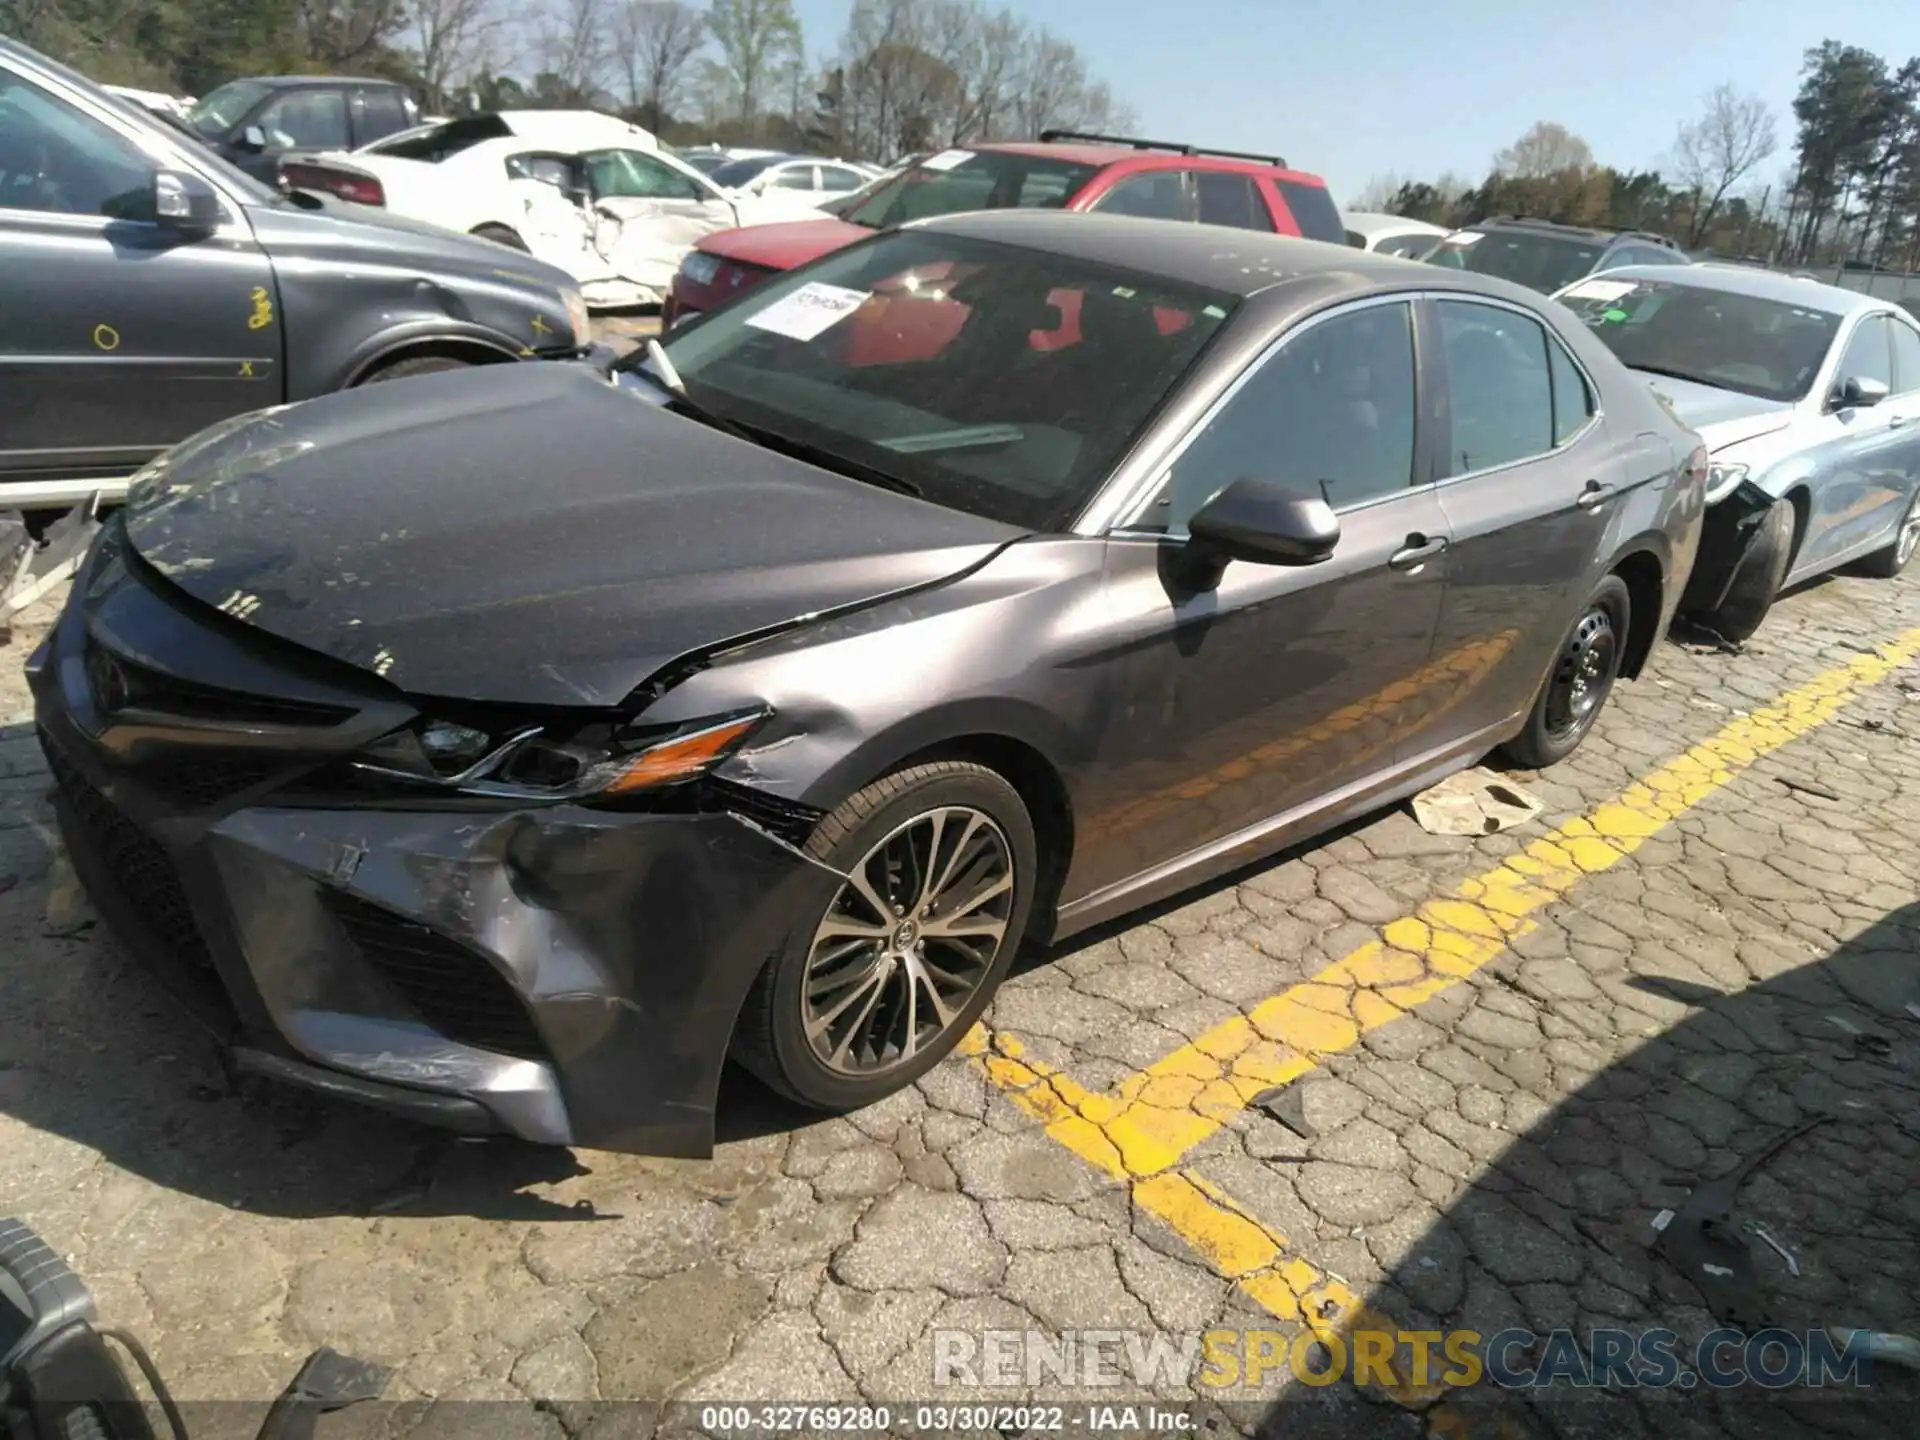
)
(910, 936)
(1583, 675)
(1909, 535)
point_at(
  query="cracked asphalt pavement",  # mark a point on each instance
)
(1500, 1058)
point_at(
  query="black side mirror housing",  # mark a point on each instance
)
(1859, 392)
(1262, 522)
(183, 201)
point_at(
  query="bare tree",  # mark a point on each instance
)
(1717, 151)
(760, 47)
(1546, 149)
(573, 52)
(451, 40)
(1376, 197)
(653, 45)
(340, 34)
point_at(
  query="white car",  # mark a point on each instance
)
(790, 183)
(1392, 234)
(590, 193)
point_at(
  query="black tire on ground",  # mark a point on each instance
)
(1578, 682)
(1888, 563)
(500, 235)
(420, 365)
(1757, 580)
(771, 1037)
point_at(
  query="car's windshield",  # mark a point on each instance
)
(219, 111)
(1764, 348)
(705, 161)
(990, 378)
(1526, 257)
(957, 180)
(735, 173)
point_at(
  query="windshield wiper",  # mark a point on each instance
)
(833, 460)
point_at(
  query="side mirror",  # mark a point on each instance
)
(183, 201)
(253, 138)
(1264, 523)
(1859, 392)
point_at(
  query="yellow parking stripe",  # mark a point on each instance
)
(1139, 1131)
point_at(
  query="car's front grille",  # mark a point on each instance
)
(136, 686)
(200, 779)
(792, 821)
(143, 870)
(454, 989)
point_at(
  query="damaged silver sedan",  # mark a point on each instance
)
(509, 748)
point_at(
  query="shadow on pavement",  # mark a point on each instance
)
(1558, 1230)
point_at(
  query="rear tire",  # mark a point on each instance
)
(419, 365)
(862, 999)
(1757, 580)
(1888, 563)
(1576, 687)
(500, 235)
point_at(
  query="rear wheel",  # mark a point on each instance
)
(1887, 563)
(1584, 669)
(500, 235)
(901, 950)
(1758, 577)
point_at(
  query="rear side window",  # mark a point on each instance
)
(1313, 210)
(1906, 358)
(378, 113)
(1572, 399)
(1231, 199)
(307, 120)
(1161, 195)
(1500, 393)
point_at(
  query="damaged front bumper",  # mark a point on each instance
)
(1725, 535)
(565, 974)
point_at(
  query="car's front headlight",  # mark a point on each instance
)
(700, 267)
(1723, 480)
(577, 312)
(513, 761)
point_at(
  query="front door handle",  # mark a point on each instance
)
(1594, 496)
(1894, 422)
(1417, 551)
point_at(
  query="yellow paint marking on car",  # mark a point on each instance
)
(262, 315)
(1139, 1132)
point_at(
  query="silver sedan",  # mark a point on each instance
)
(1808, 398)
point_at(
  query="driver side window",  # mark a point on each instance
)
(55, 160)
(1329, 414)
(307, 120)
(632, 175)
(1869, 356)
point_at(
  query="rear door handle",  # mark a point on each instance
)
(1417, 551)
(1594, 496)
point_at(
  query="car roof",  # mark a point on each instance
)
(1373, 222)
(1238, 262)
(289, 82)
(1760, 284)
(1599, 233)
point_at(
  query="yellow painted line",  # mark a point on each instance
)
(1138, 1133)
(1147, 1123)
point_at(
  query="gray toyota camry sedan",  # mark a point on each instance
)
(509, 748)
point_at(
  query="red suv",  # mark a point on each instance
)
(1065, 170)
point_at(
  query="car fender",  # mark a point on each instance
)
(452, 336)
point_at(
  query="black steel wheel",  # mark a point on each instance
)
(1579, 681)
(927, 882)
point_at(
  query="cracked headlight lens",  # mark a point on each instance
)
(700, 267)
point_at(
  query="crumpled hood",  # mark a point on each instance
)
(1722, 417)
(786, 245)
(523, 533)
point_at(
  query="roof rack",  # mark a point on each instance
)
(1049, 137)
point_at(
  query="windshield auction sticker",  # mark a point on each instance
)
(809, 311)
(1602, 289)
(946, 160)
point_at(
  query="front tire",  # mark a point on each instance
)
(1584, 669)
(1888, 563)
(898, 955)
(1757, 579)
(419, 365)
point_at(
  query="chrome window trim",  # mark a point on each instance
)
(1557, 447)
(1108, 511)
(234, 225)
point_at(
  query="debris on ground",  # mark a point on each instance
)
(1806, 787)
(1881, 1345)
(1474, 802)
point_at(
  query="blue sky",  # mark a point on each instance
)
(1354, 88)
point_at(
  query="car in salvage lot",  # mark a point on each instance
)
(1808, 397)
(810, 680)
(169, 291)
(1065, 170)
(587, 192)
(1545, 255)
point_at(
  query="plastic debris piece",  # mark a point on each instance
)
(1288, 1105)
(1913, 1008)
(1474, 802)
(1662, 1220)
(1766, 1237)
(1882, 1345)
